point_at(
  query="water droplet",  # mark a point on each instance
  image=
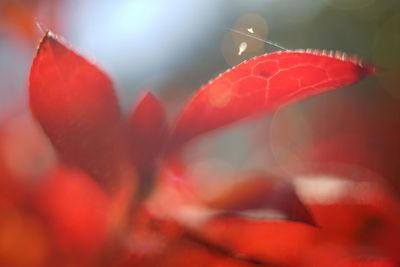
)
(242, 48)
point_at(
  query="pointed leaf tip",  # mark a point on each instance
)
(49, 38)
(149, 130)
(369, 69)
(74, 102)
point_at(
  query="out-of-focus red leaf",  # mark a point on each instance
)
(264, 83)
(366, 262)
(368, 225)
(149, 133)
(334, 255)
(11, 188)
(277, 242)
(187, 252)
(24, 241)
(354, 215)
(25, 155)
(21, 16)
(75, 104)
(262, 198)
(156, 242)
(76, 211)
(260, 239)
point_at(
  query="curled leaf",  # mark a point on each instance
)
(262, 198)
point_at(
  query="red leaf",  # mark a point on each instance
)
(76, 210)
(24, 238)
(253, 239)
(262, 198)
(369, 210)
(264, 83)
(272, 242)
(156, 242)
(190, 253)
(149, 130)
(75, 104)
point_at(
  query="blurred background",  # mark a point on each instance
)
(173, 47)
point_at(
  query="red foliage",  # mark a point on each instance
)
(77, 108)
(262, 84)
(82, 225)
(149, 131)
(113, 220)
